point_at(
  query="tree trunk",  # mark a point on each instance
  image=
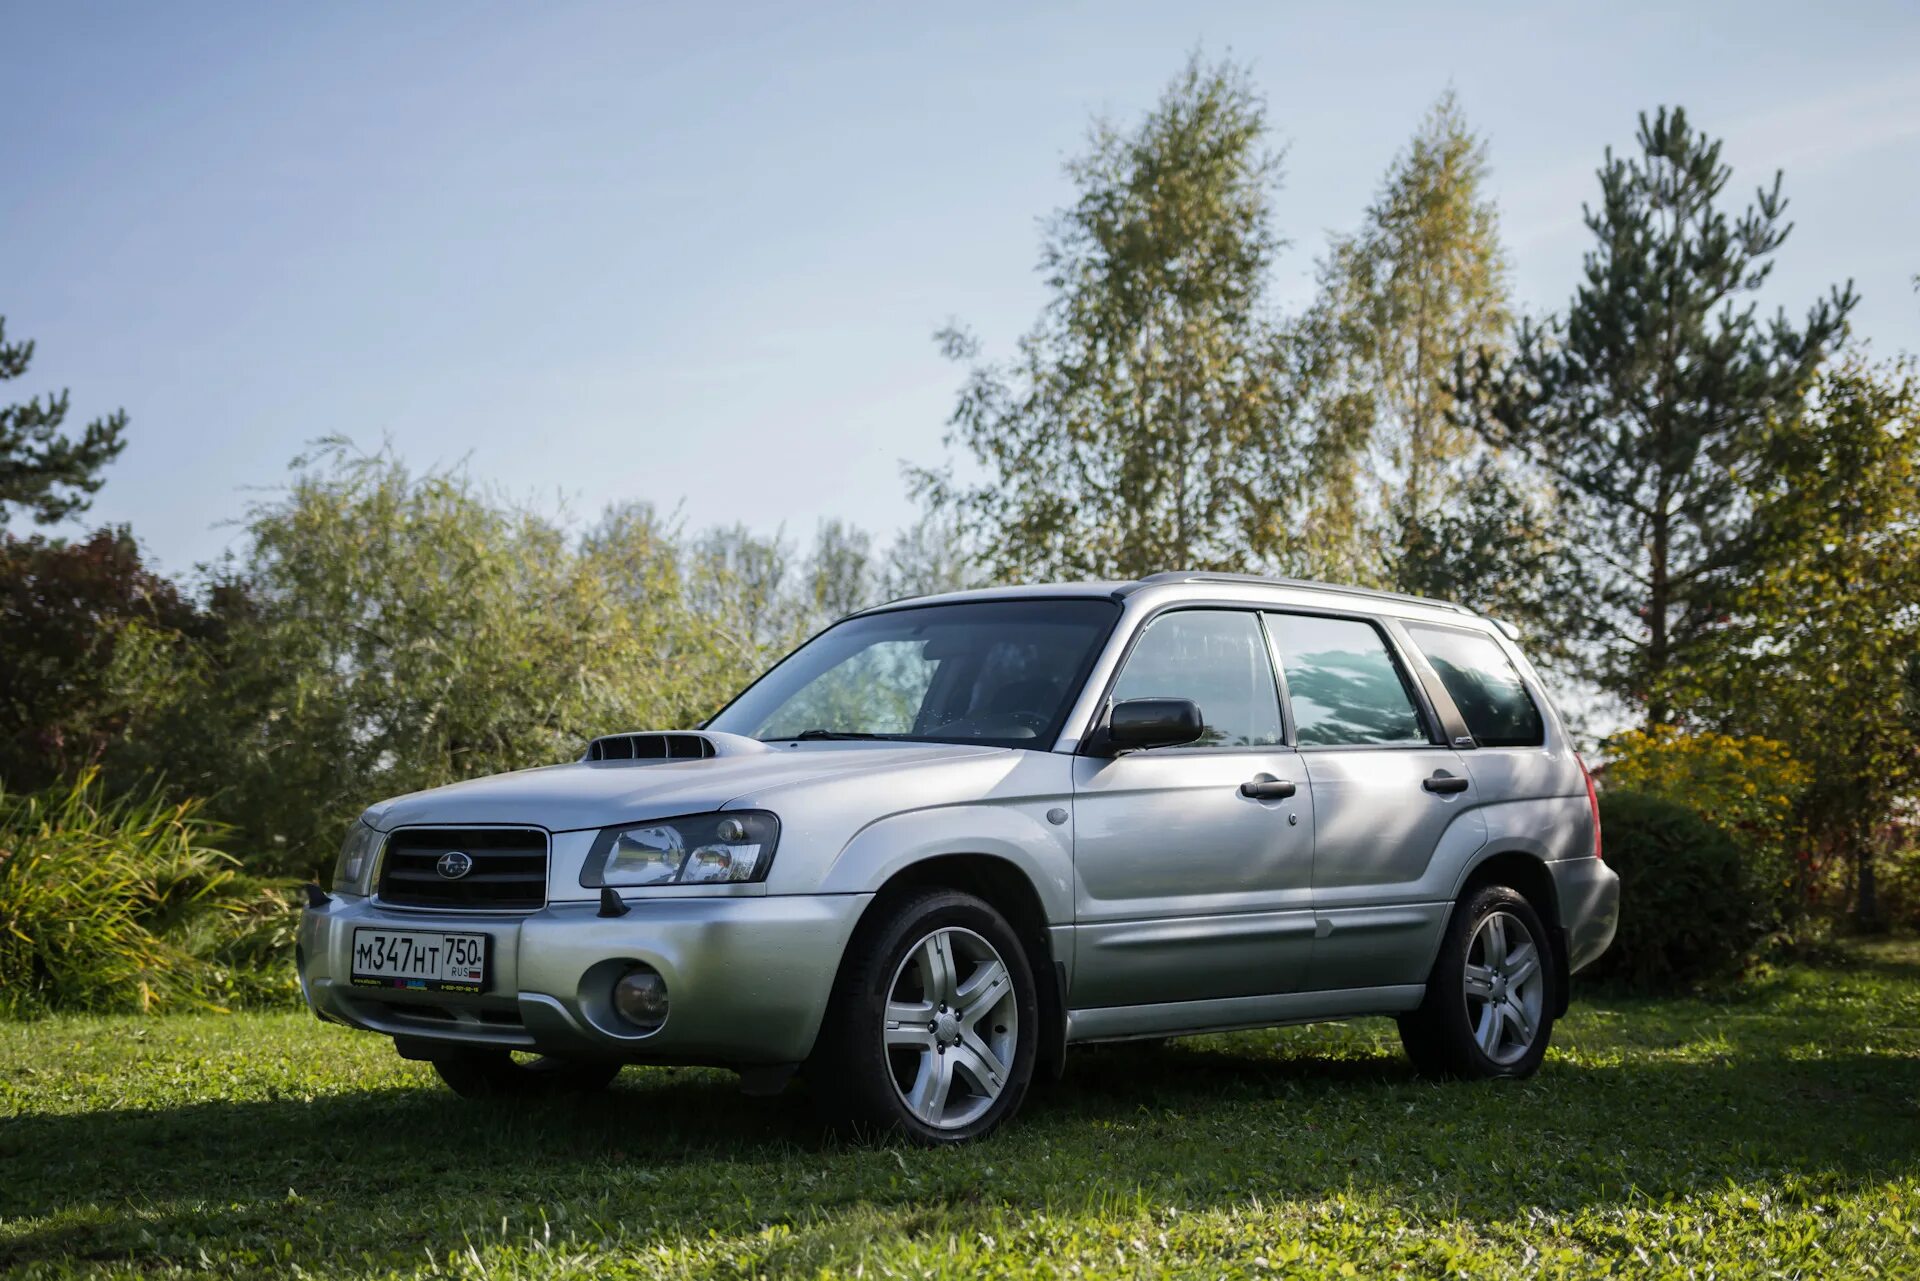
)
(1658, 593)
(1867, 917)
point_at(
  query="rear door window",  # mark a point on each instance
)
(1484, 685)
(1344, 687)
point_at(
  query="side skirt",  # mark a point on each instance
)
(1233, 1013)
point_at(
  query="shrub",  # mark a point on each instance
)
(63, 607)
(126, 904)
(1691, 905)
(1900, 877)
(1747, 787)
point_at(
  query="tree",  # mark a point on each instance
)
(41, 471)
(928, 557)
(740, 582)
(1422, 282)
(1497, 546)
(1142, 426)
(384, 632)
(1819, 652)
(841, 573)
(1646, 403)
(63, 609)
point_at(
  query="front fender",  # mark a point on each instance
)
(1017, 832)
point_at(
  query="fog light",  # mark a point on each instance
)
(641, 997)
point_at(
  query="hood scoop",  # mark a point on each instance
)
(657, 746)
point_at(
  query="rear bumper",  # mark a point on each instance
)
(747, 978)
(1589, 895)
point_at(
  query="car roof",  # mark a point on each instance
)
(1171, 581)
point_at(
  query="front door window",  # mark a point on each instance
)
(1216, 658)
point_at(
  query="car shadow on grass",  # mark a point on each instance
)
(680, 1153)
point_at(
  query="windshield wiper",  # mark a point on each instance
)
(819, 734)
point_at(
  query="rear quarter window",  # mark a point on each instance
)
(1483, 684)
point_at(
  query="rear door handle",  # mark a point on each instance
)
(1268, 789)
(1445, 783)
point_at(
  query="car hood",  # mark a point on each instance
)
(589, 794)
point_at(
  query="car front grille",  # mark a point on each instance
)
(506, 868)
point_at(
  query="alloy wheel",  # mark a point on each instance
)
(1506, 987)
(952, 1025)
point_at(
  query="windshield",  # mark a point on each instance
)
(999, 672)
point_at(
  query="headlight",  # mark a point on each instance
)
(356, 855)
(702, 849)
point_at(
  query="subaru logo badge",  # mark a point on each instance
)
(453, 865)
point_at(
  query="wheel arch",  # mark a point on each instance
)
(1010, 891)
(1527, 875)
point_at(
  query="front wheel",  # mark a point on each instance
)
(1489, 1006)
(498, 1074)
(933, 1026)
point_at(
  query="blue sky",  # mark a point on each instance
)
(696, 254)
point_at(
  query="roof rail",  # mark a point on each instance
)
(1268, 580)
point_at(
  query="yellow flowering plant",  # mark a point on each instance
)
(1747, 787)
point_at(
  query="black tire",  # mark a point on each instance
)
(1445, 1037)
(496, 1074)
(857, 1081)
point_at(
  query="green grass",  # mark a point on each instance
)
(1772, 1133)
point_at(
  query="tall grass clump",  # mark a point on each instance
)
(127, 904)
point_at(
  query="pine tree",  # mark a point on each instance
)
(42, 471)
(1646, 403)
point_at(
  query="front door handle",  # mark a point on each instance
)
(1444, 783)
(1268, 789)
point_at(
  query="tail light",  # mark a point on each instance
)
(1593, 803)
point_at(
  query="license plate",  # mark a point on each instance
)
(427, 961)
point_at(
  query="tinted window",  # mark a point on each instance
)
(1342, 683)
(1001, 672)
(1484, 686)
(1217, 658)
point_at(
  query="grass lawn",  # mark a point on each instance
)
(1772, 1133)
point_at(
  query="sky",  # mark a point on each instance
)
(696, 254)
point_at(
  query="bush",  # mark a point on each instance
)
(1746, 787)
(1691, 904)
(1899, 876)
(127, 905)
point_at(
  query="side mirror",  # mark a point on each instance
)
(1152, 722)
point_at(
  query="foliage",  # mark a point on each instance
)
(1423, 280)
(1646, 403)
(1749, 788)
(930, 556)
(1766, 1133)
(63, 608)
(42, 471)
(1900, 878)
(1820, 650)
(387, 632)
(1497, 546)
(1142, 425)
(1692, 905)
(127, 905)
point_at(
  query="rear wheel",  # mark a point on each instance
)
(934, 1023)
(499, 1074)
(1489, 1006)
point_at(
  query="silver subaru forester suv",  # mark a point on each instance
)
(949, 837)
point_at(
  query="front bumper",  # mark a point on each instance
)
(747, 978)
